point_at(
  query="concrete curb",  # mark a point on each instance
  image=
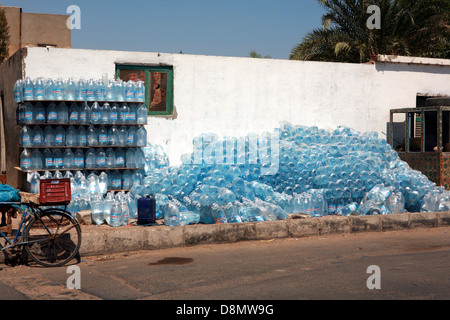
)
(99, 240)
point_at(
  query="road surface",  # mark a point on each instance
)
(410, 264)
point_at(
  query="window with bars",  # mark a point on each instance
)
(158, 82)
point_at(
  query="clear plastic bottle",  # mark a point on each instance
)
(116, 180)
(26, 137)
(58, 159)
(60, 137)
(140, 91)
(130, 158)
(77, 90)
(107, 206)
(141, 160)
(113, 136)
(120, 158)
(90, 90)
(47, 175)
(110, 158)
(36, 160)
(49, 84)
(96, 116)
(28, 89)
(81, 137)
(116, 214)
(129, 91)
(79, 159)
(136, 178)
(52, 113)
(90, 159)
(85, 113)
(349, 209)
(131, 137)
(58, 89)
(141, 137)
(68, 161)
(102, 136)
(35, 182)
(106, 113)
(57, 175)
(125, 212)
(92, 181)
(74, 113)
(119, 90)
(132, 110)
(114, 114)
(25, 160)
(39, 113)
(69, 91)
(28, 113)
(83, 84)
(63, 113)
(92, 136)
(20, 113)
(49, 136)
(189, 217)
(126, 180)
(109, 91)
(100, 158)
(132, 206)
(97, 210)
(123, 136)
(71, 137)
(123, 113)
(38, 137)
(48, 159)
(39, 89)
(141, 114)
(103, 183)
(100, 90)
(18, 91)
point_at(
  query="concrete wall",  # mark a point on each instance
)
(33, 29)
(235, 96)
(45, 29)
(10, 71)
(13, 16)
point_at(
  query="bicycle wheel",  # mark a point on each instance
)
(52, 238)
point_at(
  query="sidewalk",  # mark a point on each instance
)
(98, 240)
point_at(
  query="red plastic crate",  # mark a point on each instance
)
(55, 192)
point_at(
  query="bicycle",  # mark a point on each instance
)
(51, 237)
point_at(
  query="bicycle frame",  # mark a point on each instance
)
(24, 220)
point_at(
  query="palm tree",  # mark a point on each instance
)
(407, 27)
(254, 54)
(4, 36)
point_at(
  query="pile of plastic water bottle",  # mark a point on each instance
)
(90, 192)
(78, 90)
(102, 191)
(78, 159)
(81, 113)
(294, 169)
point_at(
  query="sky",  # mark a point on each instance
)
(204, 27)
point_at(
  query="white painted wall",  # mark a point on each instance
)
(235, 96)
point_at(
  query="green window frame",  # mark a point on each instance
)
(150, 71)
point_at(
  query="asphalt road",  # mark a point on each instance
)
(412, 264)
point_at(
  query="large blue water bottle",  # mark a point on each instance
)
(146, 209)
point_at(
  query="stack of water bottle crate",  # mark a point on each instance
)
(82, 129)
